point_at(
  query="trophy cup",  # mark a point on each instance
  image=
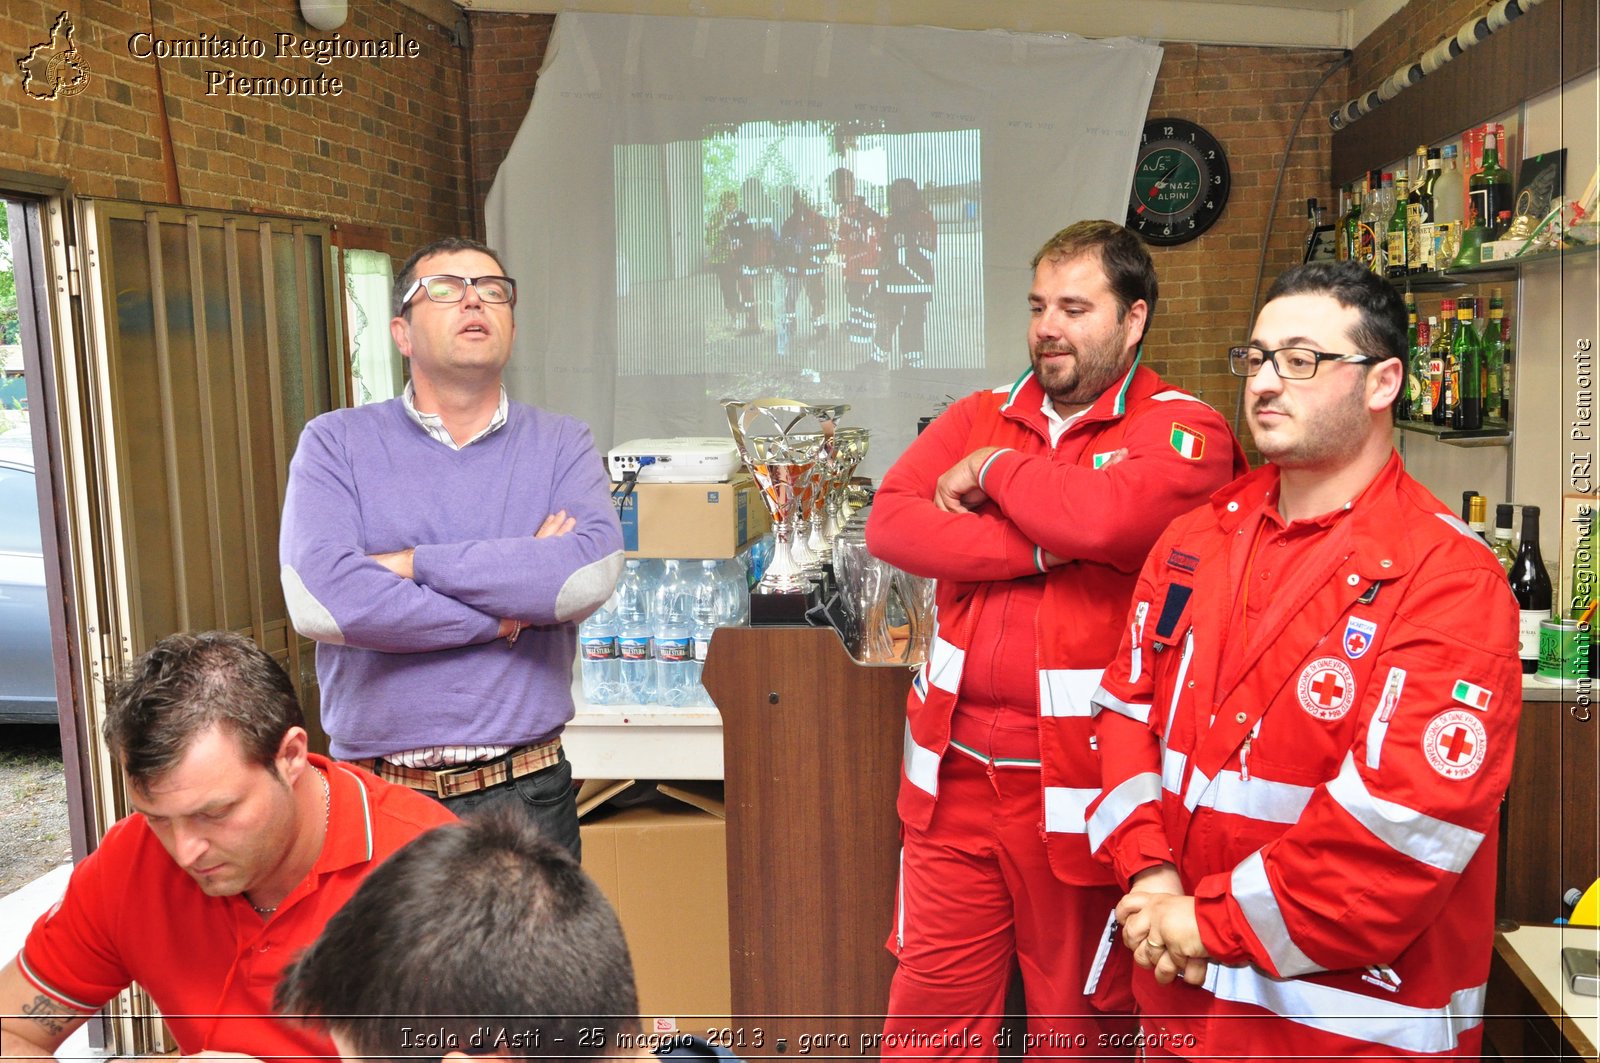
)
(781, 440)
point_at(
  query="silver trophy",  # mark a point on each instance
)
(782, 440)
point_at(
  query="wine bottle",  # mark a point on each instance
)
(1422, 406)
(1406, 404)
(1478, 517)
(1444, 403)
(1490, 191)
(1419, 214)
(1396, 250)
(1466, 375)
(1501, 543)
(1530, 582)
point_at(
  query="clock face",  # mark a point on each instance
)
(1180, 183)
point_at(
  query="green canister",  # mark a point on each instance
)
(1563, 649)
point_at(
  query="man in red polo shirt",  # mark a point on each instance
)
(241, 846)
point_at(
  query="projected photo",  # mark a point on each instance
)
(814, 245)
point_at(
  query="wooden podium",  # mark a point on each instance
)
(811, 749)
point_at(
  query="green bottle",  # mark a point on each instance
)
(1465, 372)
(1493, 345)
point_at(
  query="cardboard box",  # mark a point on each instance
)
(691, 520)
(658, 852)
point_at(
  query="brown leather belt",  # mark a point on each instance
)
(468, 778)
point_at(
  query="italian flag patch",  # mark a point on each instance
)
(1187, 442)
(1471, 695)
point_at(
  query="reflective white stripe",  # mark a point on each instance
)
(1172, 765)
(1064, 809)
(1120, 803)
(1253, 893)
(1198, 783)
(1434, 842)
(1068, 691)
(1349, 1014)
(921, 765)
(1255, 798)
(1177, 396)
(1177, 685)
(1132, 710)
(945, 661)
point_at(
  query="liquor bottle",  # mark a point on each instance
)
(1449, 205)
(1419, 214)
(1407, 401)
(1493, 350)
(1466, 376)
(1439, 363)
(1501, 543)
(1530, 582)
(1490, 190)
(1346, 222)
(1368, 251)
(1466, 505)
(1478, 517)
(1507, 372)
(1422, 405)
(1396, 249)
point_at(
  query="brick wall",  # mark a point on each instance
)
(1247, 98)
(507, 51)
(390, 152)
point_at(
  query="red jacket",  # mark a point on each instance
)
(1330, 791)
(1042, 498)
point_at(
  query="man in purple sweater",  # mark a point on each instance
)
(441, 548)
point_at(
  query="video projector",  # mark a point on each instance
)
(684, 460)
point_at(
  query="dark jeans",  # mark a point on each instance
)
(546, 796)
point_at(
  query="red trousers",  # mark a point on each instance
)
(976, 891)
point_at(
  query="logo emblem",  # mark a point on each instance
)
(1455, 744)
(1187, 442)
(54, 68)
(1358, 635)
(1471, 695)
(1103, 457)
(1327, 688)
(1182, 562)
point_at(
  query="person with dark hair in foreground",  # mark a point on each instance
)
(241, 845)
(1309, 726)
(478, 938)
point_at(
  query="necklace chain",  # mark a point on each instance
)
(327, 814)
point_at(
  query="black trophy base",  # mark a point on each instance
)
(784, 608)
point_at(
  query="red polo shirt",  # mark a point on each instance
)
(211, 963)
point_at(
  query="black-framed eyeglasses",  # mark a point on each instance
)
(1290, 363)
(446, 288)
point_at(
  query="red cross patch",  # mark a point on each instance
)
(1327, 688)
(1455, 744)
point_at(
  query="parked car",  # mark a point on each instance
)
(27, 669)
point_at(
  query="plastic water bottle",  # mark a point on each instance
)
(602, 661)
(633, 635)
(676, 671)
(710, 611)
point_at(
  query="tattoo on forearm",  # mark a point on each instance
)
(53, 1017)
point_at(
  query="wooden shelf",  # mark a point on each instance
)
(1486, 272)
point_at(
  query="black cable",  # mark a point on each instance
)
(1272, 213)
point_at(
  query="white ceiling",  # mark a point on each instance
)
(1284, 23)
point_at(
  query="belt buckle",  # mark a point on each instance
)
(442, 779)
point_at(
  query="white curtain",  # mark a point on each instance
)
(636, 311)
(374, 360)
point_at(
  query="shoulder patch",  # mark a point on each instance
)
(1455, 743)
(1187, 442)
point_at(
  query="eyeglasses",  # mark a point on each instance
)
(1291, 363)
(444, 288)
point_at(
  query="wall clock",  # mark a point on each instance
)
(1180, 183)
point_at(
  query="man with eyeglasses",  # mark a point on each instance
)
(1307, 731)
(442, 547)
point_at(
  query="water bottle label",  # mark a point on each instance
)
(599, 648)
(634, 649)
(674, 649)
